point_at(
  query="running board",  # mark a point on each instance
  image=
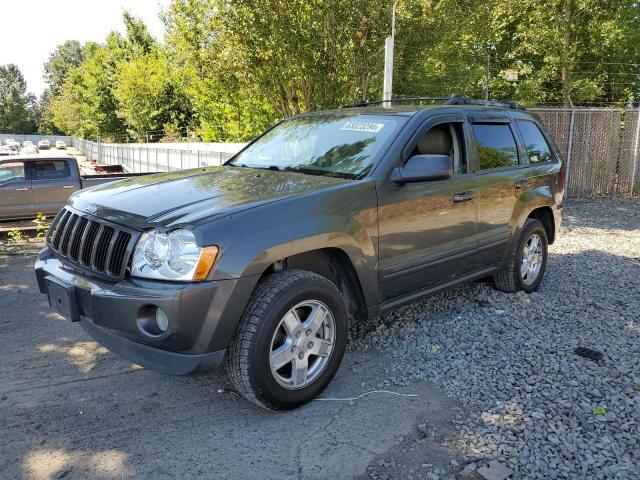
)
(397, 302)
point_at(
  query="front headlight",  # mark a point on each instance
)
(172, 256)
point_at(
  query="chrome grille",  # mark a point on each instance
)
(93, 244)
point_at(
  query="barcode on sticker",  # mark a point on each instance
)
(363, 127)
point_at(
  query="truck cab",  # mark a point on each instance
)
(31, 184)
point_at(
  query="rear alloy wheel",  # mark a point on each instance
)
(532, 259)
(525, 267)
(290, 341)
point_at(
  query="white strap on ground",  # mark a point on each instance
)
(350, 399)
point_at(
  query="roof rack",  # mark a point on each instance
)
(365, 103)
(453, 100)
(458, 100)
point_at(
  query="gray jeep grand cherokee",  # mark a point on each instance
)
(328, 216)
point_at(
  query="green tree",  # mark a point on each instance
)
(227, 69)
(86, 104)
(584, 51)
(18, 108)
(66, 56)
(251, 62)
(151, 94)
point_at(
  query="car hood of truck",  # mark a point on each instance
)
(189, 197)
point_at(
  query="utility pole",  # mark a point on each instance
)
(635, 152)
(387, 89)
(487, 76)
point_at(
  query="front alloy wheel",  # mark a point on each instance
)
(302, 344)
(290, 340)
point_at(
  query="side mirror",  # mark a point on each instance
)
(422, 168)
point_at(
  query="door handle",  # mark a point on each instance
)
(523, 183)
(22, 189)
(463, 196)
(68, 186)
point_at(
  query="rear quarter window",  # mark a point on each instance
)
(538, 149)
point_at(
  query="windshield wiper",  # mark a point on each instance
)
(319, 173)
(308, 171)
(258, 167)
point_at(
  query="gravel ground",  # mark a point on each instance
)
(530, 402)
(517, 392)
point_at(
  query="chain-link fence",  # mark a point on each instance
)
(600, 146)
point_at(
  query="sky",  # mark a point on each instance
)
(31, 29)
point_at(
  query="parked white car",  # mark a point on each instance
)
(27, 143)
(29, 150)
(5, 150)
(60, 144)
(44, 144)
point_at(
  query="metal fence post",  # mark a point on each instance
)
(635, 152)
(569, 150)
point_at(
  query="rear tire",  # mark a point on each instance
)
(290, 340)
(526, 265)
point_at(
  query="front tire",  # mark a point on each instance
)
(527, 263)
(290, 341)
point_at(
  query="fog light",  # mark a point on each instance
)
(162, 321)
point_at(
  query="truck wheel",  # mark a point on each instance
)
(290, 341)
(526, 265)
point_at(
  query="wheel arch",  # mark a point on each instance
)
(334, 264)
(544, 215)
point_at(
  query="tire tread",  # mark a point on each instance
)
(241, 346)
(507, 279)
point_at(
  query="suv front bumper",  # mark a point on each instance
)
(202, 316)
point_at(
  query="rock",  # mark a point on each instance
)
(494, 470)
(527, 398)
(469, 470)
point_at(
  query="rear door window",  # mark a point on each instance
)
(496, 145)
(538, 149)
(11, 172)
(50, 169)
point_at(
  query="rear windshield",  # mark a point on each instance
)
(326, 144)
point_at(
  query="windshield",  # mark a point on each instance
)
(325, 144)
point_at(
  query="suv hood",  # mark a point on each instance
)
(187, 196)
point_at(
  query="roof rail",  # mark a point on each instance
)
(459, 100)
(453, 100)
(365, 103)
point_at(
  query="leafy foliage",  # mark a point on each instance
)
(18, 109)
(42, 226)
(228, 69)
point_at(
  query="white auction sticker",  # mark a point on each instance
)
(363, 127)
